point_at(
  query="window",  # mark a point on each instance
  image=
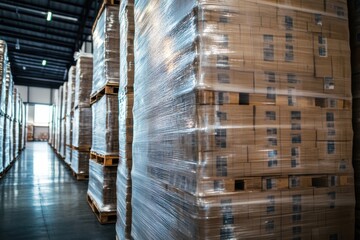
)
(42, 115)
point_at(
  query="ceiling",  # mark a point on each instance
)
(32, 39)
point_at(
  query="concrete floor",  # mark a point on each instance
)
(39, 199)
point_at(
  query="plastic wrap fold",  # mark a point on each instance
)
(102, 186)
(105, 126)
(242, 120)
(3, 72)
(126, 102)
(71, 90)
(83, 81)
(106, 48)
(80, 162)
(82, 127)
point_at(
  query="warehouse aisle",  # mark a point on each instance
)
(41, 200)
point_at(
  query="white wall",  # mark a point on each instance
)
(36, 94)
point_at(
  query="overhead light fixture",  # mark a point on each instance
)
(49, 16)
(24, 68)
(44, 62)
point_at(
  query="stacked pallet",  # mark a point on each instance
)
(3, 69)
(354, 22)
(126, 102)
(104, 156)
(70, 113)
(8, 127)
(62, 147)
(82, 121)
(242, 120)
(57, 118)
(11, 115)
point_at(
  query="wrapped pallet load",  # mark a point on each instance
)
(3, 69)
(126, 102)
(104, 155)
(242, 120)
(70, 113)
(82, 121)
(8, 127)
(354, 23)
(63, 128)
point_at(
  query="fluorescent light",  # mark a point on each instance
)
(17, 45)
(49, 16)
(44, 62)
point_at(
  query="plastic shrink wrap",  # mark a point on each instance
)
(3, 69)
(82, 128)
(80, 161)
(81, 140)
(70, 112)
(106, 48)
(354, 24)
(83, 80)
(102, 186)
(242, 120)
(63, 130)
(105, 126)
(126, 102)
(8, 127)
(58, 118)
(71, 90)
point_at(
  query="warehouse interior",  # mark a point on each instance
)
(180, 119)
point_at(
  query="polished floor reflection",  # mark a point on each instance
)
(39, 199)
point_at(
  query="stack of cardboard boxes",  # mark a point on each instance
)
(3, 68)
(104, 155)
(126, 103)
(82, 121)
(69, 113)
(242, 120)
(63, 127)
(354, 23)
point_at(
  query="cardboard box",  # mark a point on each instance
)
(225, 115)
(270, 225)
(296, 201)
(334, 150)
(262, 204)
(268, 116)
(338, 119)
(336, 134)
(223, 163)
(303, 138)
(298, 118)
(267, 137)
(275, 183)
(263, 154)
(305, 85)
(228, 185)
(226, 79)
(333, 199)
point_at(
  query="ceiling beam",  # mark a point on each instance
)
(30, 37)
(40, 79)
(57, 28)
(24, 48)
(27, 82)
(25, 26)
(40, 55)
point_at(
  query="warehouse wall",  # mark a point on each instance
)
(36, 94)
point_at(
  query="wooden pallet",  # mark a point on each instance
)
(106, 160)
(80, 176)
(81, 148)
(103, 217)
(109, 89)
